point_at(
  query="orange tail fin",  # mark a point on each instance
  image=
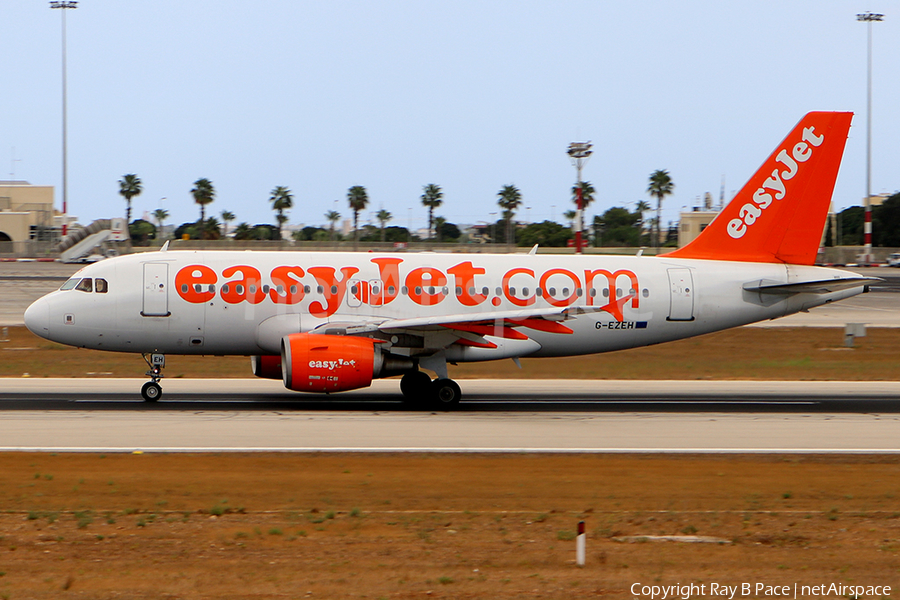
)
(780, 214)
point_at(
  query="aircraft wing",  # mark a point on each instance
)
(542, 319)
(468, 329)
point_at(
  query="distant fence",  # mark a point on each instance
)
(28, 249)
(347, 246)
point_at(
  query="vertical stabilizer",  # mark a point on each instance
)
(779, 215)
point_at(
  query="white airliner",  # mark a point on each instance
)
(328, 322)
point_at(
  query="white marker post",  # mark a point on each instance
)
(579, 545)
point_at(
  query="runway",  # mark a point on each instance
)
(496, 416)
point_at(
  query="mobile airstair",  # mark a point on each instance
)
(101, 239)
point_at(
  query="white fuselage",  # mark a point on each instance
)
(183, 302)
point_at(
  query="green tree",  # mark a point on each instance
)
(439, 223)
(886, 223)
(447, 232)
(281, 200)
(660, 186)
(619, 227)
(383, 217)
(129, 187)
(358, 198)
(227, 217)
(432, 197)
(141, 232)
(211, 229)
(203, 193)
(160, 214)
(243, 231)
(509, 200)
(548, 234)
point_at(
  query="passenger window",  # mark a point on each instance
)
(100, 286)
(85, 285)
(70, 284)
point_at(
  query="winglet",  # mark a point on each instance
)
(165, 247)
(779, 215)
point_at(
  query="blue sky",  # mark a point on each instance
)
(321, 96)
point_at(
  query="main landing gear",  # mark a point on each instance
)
(152, 391)
(441, 394)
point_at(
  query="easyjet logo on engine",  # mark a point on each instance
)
(465, 283)
(331, 365)
(775, 184)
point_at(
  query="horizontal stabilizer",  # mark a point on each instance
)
(825, 286)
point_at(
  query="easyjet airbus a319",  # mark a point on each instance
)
(328, 322)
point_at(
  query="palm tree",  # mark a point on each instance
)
(203, 194)
(333, 216)
(587, 193)
(281, 200)
(160, 214)
(129, 187)
(510, 199)
(242, 231)
(432, 197)
(641, 208)
(660, 186)
(227, 217)
(439, 223)
(358, 199)
(383, 217)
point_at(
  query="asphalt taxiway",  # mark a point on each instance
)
(496, 416)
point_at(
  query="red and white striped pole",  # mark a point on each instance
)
(868, 18)
(579, 217)
(867, 233)
(579, 153)
(579, 545)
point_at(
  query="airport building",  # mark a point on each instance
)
(29, 225)
(694, 221)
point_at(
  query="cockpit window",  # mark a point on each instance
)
(85, 285)
(100, 286)
(70, 284)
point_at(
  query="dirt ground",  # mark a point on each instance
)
(273, 526)
(286, 526)
(803, 353)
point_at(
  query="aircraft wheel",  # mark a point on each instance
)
(446, 393)
(415, 386)
(151, 391)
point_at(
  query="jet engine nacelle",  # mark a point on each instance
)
(267, 367)
(335, 363)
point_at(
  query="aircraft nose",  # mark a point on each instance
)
(37, 318)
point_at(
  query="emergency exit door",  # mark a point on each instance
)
(156, 293)
(681, 295)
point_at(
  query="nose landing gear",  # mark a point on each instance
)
(152, 391)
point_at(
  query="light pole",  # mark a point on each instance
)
(579, 152)
(868, 18)
(64, 5)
